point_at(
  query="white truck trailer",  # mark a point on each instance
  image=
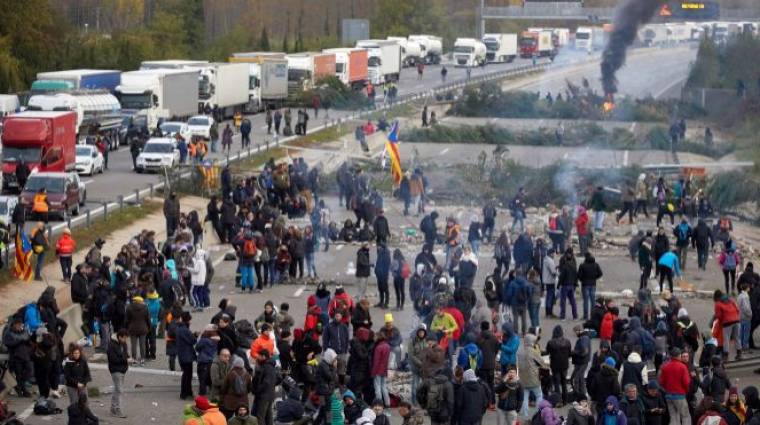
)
(383, 60)
(500, 47)
(159, 93)
(469, 52)
(222, 88)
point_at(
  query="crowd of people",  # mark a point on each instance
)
(469, 352)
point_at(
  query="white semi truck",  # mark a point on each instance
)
(589, 39)
(432, 47)
(383, 60)
(222, 87)
(500, 47)
(469, 52)
(159, 93)
(411, 51)
(268, 78)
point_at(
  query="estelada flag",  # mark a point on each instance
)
(23, 266)
(391, 146)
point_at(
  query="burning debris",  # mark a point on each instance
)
(629, 16)
(609, 103)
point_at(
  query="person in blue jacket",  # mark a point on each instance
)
(668, 266)
(510, 343)
(469, 356)
(185, 346)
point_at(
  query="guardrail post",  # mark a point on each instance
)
(68, 222)
(87, 221)
(105, 210)
(120, 198)
(151, 189)
(137, 196)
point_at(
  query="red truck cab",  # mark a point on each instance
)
(45, 140)
(528, 44)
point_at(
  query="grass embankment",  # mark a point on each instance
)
(101, 227)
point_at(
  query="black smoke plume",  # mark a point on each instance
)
(628, 17)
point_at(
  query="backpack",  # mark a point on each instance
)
(249, 248)
(238, 386)
(647, 345)
(683, 232)
(521, 296)
(179, 292)
(434, 399)
(46, 407)
(730, 261)
(536, 419)
(405, 271)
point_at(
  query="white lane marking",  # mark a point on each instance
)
(339, 247)
(88, 181)
(443, 152)
(633, 127)
(26, 413)
(298, 292)
(625, 159)
(668, 87)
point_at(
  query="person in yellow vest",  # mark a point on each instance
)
(41, 207)
(238, 120)
(193, 150)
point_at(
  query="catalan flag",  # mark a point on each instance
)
(391, 146)
(23, 268)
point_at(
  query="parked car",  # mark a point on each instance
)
(7, 205)
(200, 125)
(65, 193)
(170, 129)
(157, 154)
(89, 160)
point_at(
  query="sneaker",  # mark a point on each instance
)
(55, 394)
(117, 413)
(142, 363)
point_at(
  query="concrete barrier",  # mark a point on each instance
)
(72, 315)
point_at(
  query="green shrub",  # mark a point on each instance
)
(727, 190)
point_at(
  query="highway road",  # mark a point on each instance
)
(652, 69)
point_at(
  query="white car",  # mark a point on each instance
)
(7, 205)
(171, 128)
(157, 154)
(89, 160)
(200, 125)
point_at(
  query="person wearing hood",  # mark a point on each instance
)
(429, 228)
(634, 371)
(729, 261)
(470, 357)
(610, 413)
(559, 350)
(118, 364)
(206, 350)
(568, 280)
(548, 414)
(415, 352)
(263, 388)
(530, 362)
(703, 241)
(363, 267)
(581, 357)
(326, 378)
(472, 399)
(475, 234)
(353, 408)
(661, 246)
(645, 261)
(588, 273)
(604, 383)
(264, 342)
(361, 316)
(268, 316)
(510, 343)
(242, 417)
(76, 373)
(153, 303)
(716, 382)
(655, 409)
(367, 418)
(138, 325)
(523, 250)
(220, 367)
(489, 348)
(359, 364)
(726, 312)
(686, 334)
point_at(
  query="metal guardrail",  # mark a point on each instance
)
(559, 10)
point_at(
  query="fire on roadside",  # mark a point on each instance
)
(609, 104)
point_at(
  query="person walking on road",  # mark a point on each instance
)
(363, 266)
(227, 139)
(684, 237)
(39, 247)
(171, 213)
(185, 345)
(444, 72)
(269, 121)
(65, 248)
(118, 364)
(277, 121)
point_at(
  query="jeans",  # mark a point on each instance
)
(732, 275)
(519, 314)
(746, 325)
(559, 381)
(644, 278)
(567, 293)
(533, 309)
(38, 266)
(519, 216)
(133, 342)
(731, 332)
(578, 380)
(641, 205)
(398, 286)
(678, 410)
(682, 252)
(118, 389)
(583, 242)
(311, 268)
(415, 203)
(589, 295)
(416, 380)
(526, 394)
(105, 334)
(247, 281)
(381, 390)
(598, 220)
(666, 273)
(702, 253)
(186, 386)
(150, 343)
(197, 296)
(361, 284)
(551, 297)
(66, 267)
(475, 245)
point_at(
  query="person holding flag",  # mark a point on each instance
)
(23, 266)
(391, 147)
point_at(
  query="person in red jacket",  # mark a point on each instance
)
(379, 372)
(459, 318)
(727, 314)
(341, 301)
(65, 249)
(606, 331)
(675, 381)
(581, 226)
